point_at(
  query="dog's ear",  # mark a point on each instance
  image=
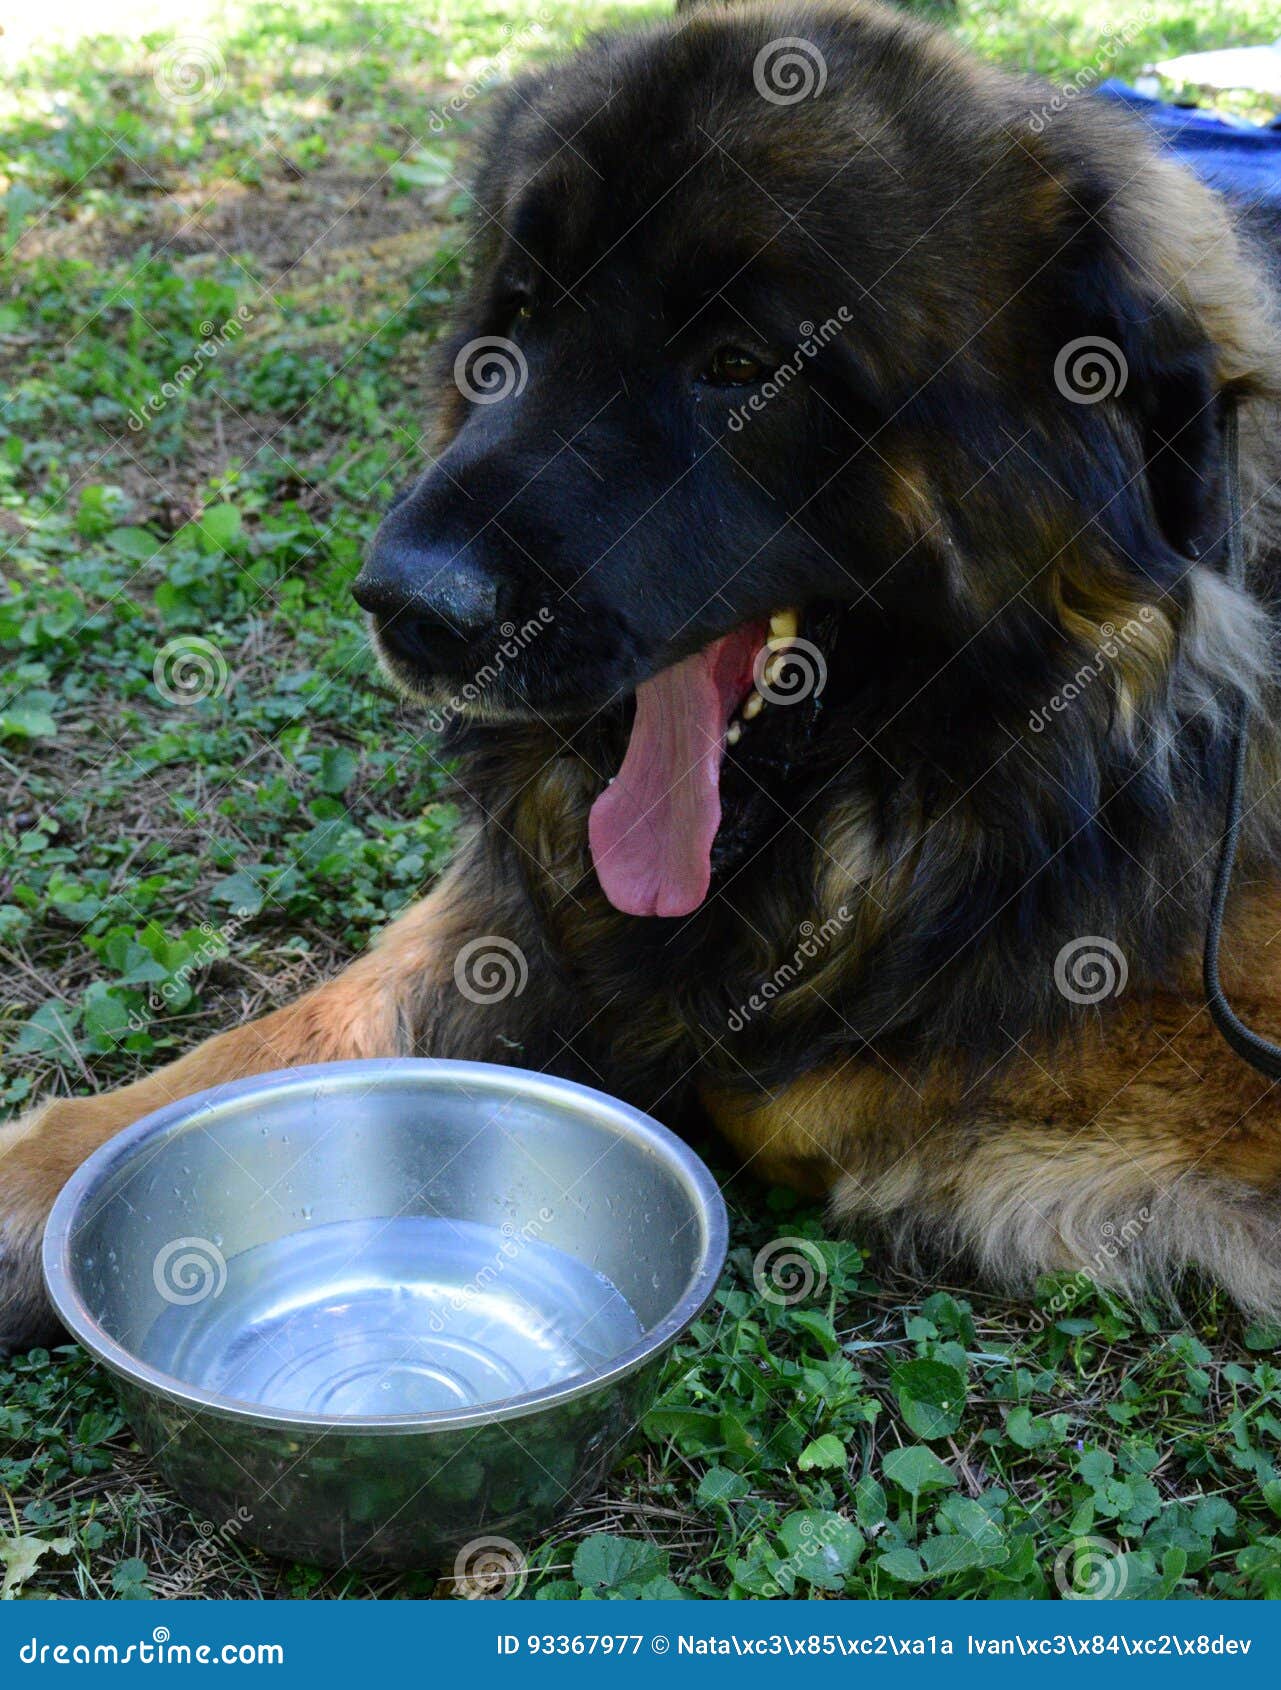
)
(1177, 414)
(1139, 348)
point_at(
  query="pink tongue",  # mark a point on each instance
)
(651, 830)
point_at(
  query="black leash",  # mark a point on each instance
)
(1261, 1053)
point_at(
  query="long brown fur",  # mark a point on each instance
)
(1143, 1149)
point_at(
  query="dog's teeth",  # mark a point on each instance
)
(784, 625)
(753, 707)
(735, 733)
(772, 667)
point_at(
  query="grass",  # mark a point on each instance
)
(208, 801)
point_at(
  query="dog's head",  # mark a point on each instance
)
(792, 330)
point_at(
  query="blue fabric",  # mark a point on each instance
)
(1237, 157)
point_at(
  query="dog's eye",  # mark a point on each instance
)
(731, 366)
(517, 310)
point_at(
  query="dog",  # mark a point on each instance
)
(819, 576)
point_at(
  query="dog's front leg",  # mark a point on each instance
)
(434, 985)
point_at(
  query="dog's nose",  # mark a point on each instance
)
(421, 594)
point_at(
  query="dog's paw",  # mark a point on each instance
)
(26, 1195)
(26, 1319)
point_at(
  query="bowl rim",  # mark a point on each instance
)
(707, 1212)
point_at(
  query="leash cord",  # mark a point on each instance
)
(1261, 1053)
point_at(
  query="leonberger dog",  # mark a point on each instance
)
(821, 575)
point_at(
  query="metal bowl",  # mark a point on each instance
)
(368, 1312)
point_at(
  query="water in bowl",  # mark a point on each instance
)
(404, 1316)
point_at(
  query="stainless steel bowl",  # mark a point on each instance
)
(369, 1312)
